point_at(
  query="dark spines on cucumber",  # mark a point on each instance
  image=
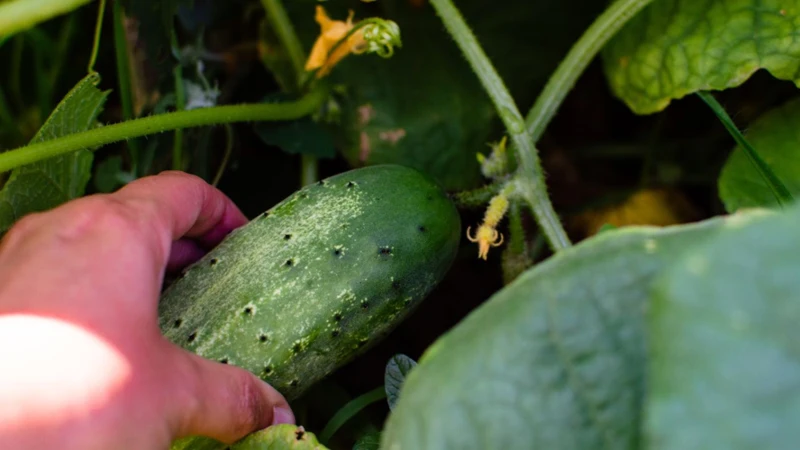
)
(319, 278)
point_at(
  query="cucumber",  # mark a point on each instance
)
(318, 279)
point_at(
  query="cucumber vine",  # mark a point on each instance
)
(159, 123)
(529, 177)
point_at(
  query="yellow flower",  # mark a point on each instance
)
(487, 236)
(333, 31)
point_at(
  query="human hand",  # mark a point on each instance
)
(84, 364)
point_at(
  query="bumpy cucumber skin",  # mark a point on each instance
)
(316, 280)
(280, 437)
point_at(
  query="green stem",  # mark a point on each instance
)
(309, 167)
(277, 16)
(18, 15)
(477, 198)
(163, 122)
(349, 410)
(530, 177)
(6, 118)
(180, 105)
(62, 52)
(516, 230)
(226, 156)
(779, 190)
(123, 64)
(124, 78)
(98, 31)
(579, 57)
(15, 70)
(44, 89)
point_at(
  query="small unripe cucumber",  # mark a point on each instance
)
(313, 282)
(280, 437)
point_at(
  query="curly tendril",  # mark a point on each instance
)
(339, 38)
(381, 36)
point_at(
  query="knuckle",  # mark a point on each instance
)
(188, 179)
(97, 214)
(25, 225)
(180, 174)
(249, 407)
(104, 217)
(22, 229)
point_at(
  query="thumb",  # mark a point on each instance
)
(224, 402)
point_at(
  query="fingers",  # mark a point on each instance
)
(182, 205)
(225, 402)
(149, 213)
(183, 253)
(115, 246)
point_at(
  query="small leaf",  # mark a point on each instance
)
(370, 441)
(46, 184)
(553, 360)
(302, 136)
(675, 47)
(280, 437)
(775, 137)
(725, 345)
(396, 371)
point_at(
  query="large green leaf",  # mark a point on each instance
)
(554, 360)
(775, 136)
(725, 343)
(676, 47)
(49, 183)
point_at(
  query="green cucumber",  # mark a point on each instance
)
(315, 281)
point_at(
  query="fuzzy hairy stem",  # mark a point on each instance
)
(576, 61)
(216, 115)
(529, 179)
(279, 19)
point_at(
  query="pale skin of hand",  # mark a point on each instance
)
(83, 364)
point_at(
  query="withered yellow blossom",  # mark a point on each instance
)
(487, 235)
(323, 55)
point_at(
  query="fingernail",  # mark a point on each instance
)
(282, 415)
